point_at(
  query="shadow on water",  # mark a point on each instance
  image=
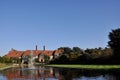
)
(50, 73)
(87, 74)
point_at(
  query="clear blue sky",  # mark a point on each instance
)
(56, 23)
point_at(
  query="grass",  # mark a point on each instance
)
(4, 66)
(86, 66)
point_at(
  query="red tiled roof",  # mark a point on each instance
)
(15, 53)
(48, 52)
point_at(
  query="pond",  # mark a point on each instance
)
(50, 73)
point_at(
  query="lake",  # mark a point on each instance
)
(51, 73)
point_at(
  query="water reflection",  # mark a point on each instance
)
(49, 73)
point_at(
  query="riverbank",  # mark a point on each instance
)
(6, 66)
(85, 66)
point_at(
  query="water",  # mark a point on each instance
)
(50, 73)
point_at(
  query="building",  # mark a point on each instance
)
(36, 54)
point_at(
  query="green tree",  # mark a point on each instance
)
(65, 50)
(94, 53)
(73, 56)
(77, 50)
(47, 58)
(114, 42)
(62, 59)
(107, 53)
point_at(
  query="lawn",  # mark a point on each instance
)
(86, 66)
(4, 66)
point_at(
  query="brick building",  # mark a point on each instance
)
(36, 54)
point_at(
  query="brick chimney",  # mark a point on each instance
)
(44, 47)
(36, 48)
(13, 49)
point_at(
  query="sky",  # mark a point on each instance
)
(56, 23)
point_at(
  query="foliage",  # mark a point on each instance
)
(5, 59)
(114, 43)
(47, 58)
(77, 50)
(66, 50)
(37, 60)
(88, 56)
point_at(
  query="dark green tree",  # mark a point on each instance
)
(65, 50)
(63, 59)
(78, 50)
(114, 43)
(47, 58)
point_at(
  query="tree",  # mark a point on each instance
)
(63, 59)
(65, 50)
(47, 58)
(114, 42)
(77, 50)
(73, 56)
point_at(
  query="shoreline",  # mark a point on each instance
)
(67, 66)
(8, 66)
(85, 66)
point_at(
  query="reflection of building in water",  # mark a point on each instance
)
(34, 74)
(41, 70)
(47, 73)
(51, 70)
(56, 73)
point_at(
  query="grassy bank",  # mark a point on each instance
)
(5, 66)
(86, 66)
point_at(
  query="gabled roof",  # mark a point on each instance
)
(15, 53)
(32, 52)
(47, 52)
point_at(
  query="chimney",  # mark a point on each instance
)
(44, 47)
(12, 49)
(36, 47)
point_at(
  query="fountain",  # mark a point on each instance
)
(31, 60)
